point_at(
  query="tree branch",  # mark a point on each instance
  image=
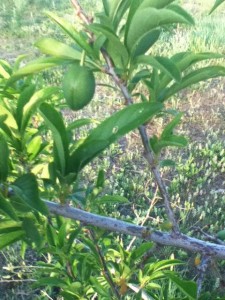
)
(167, 239)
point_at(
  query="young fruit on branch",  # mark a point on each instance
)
(78, 86)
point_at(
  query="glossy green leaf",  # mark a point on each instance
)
(10, 238)
(183, 61)
(137, 253)
(7, 226)
(38, 65)
(34, 147)
(114, 11)
(100, 289)
(113, 45)
(133, 8)
(26, 188)
(79, 123)
(100, 179)
(110, 7)
(168, 130)
(168, 141)
(164, 64)
(120, 11)
(7, 208)
(73, 33)
(4, 159)
(216, 4)
(3, 73)
(155, 3)
(147, 19)
(110, 130)
(55, 48)
(145, 43)
(9, 119)
(31, 106)
(24, 97)
(31, 232)
(165, 264)
(189, 288)
(192, 78)
(182, 12)
(54, 121)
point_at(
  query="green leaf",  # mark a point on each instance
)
(31, 232)
(179, 10)
(183, 61)
(26, 188)
(24, 97)
(111, 199)
(140, 250)
(36, 66)
(73, 33)
(189, 288)
(7, 208)
(192, 78)
(164, 64)
(166, 263)
(10, 238)
(101, 179)
(4, 159)
(34, 147)
(155, 3)
(216, 4)
(147, 19)
(110, 7)
(113, 45)
(120, 11)
(168, 130)
(110, 130)
(55, 123)
(170, 141)
(31, 106)
(145, 43)
(100, 289)
(55, 48)
(79, 123)
(9, 120)
(7, 225)
(3, 72)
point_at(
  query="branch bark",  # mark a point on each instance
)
(113, 225)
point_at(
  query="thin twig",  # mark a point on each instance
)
(206, 261)
(207, 236)
(106, 272)
(153, 202)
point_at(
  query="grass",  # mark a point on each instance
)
(196, 184)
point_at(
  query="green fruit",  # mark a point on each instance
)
(221, 235)
(78, 86)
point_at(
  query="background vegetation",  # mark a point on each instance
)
(197, 181)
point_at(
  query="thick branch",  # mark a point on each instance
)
(167, 239)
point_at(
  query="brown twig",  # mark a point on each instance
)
(106, 272)
(206, 261)
(153, 202)
(207, 236)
